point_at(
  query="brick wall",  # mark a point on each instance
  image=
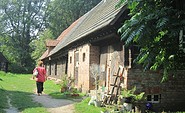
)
(53, 69)
(61, 68)
(83, 69)
(82, 65)
(70, 70)
(174, 92)
(171, 92)
(87, 55)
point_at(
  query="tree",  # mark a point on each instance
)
(38, 45)
(62, 13)
(20, 22)
(157, 26)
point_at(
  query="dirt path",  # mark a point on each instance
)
(54, 105)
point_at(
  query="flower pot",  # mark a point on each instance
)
(63, 89)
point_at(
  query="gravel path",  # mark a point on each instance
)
(54, 105)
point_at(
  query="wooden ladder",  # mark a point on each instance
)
(113, 96)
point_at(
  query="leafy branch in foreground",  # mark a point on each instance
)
(155, 26)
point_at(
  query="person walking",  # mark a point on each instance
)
(40, 77)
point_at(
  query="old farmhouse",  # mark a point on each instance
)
(93, 39)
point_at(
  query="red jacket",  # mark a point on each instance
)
(41, 77)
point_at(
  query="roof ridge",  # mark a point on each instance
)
(103, 14)
(86, 15)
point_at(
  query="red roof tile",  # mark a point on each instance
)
(51, 43)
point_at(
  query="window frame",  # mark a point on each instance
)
(152, 98)
(70, 59)
(83, 57)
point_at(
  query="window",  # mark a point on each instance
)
(149, 97)
(83, 57)
(155, 98)
(76, 58)
(70, 59)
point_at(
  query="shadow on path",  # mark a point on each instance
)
(18, 101)
(54, 105)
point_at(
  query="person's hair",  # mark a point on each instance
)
(40, 63)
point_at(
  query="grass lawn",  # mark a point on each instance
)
(83, 107)
(19, 87)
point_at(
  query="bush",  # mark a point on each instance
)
(14, 68)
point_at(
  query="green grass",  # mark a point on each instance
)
(54, 91)
(18, 87)
(66, 95)
(83, 107)
(3, 102)
(50, 87)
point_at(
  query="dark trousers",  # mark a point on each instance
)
(40, 87)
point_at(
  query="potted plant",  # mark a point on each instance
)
(130, 97)
(64, 83)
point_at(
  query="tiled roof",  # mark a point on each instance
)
(65, 32)
(51, 43)
(100, 16)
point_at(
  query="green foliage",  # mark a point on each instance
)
(14, 54)
(38, 45)
(131, 93)
(155, 27)
(64, 81)
(2, 73)
(20, 22)
(18, 68)
(4, 104)
(61, 13)
(19, 88)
